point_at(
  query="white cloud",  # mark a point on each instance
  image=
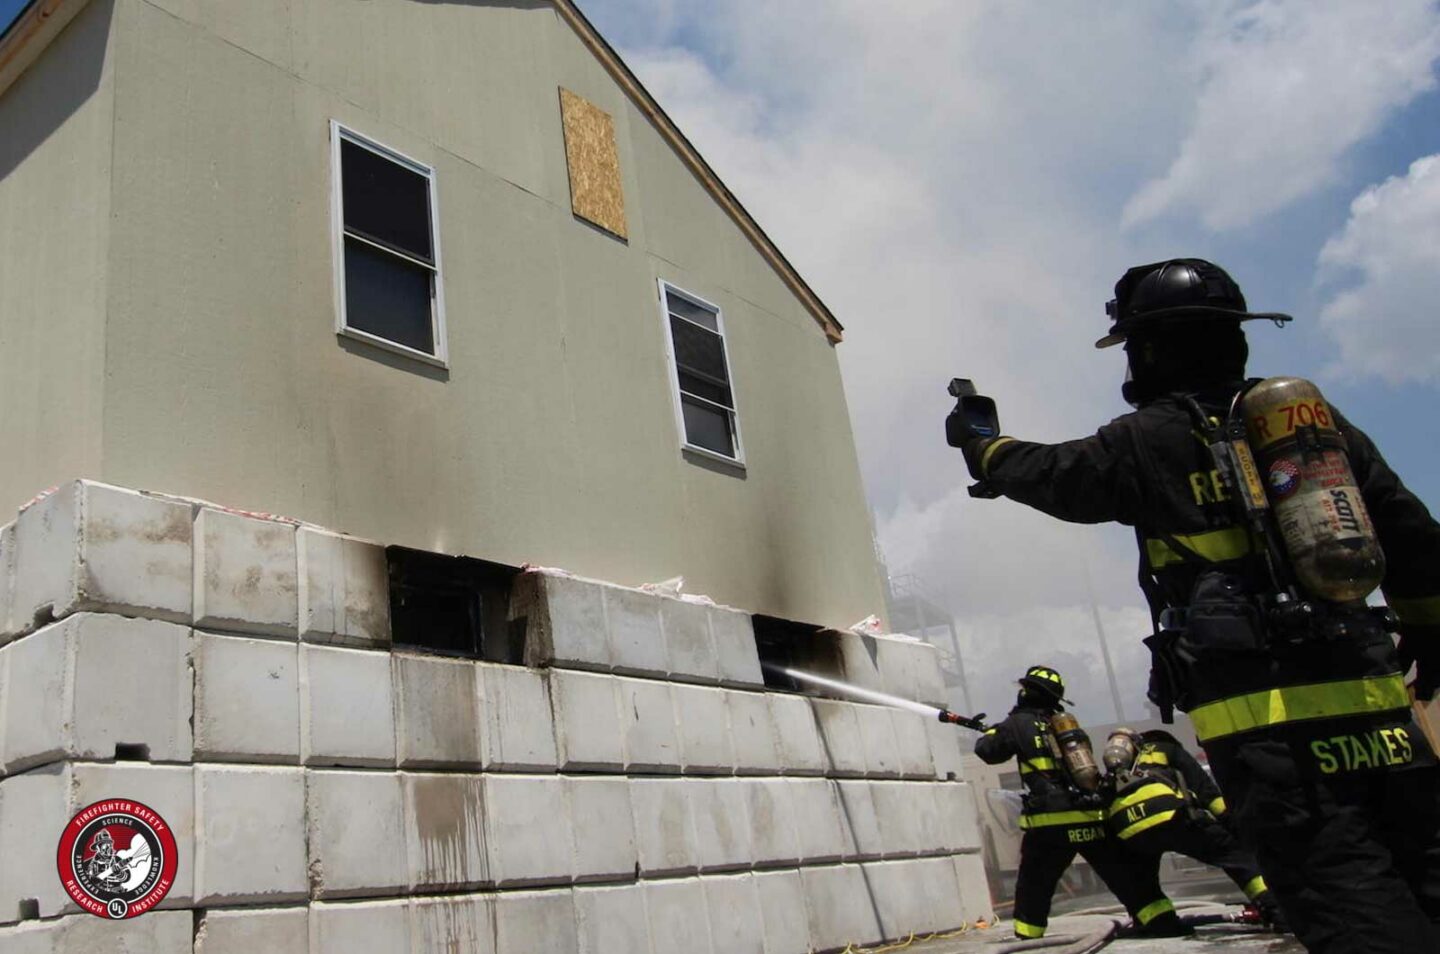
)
(1386, 322)
(1288, 87)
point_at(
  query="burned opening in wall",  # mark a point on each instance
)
(453, 605)
(787, 645)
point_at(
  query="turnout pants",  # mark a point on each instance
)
(1046, 852)
(1208, 841)
(1353, 860)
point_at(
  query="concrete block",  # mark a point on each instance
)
(516, 720)
(860, 660)
(34, 808)
(647, 712)
(735, 650)
(158, 932)
(535, 922)
(945, 908)
(602, 819)
(838, 907)
(689, 644)
(678, 916)
(733, 907)
(973, 888)
(782, 912)
(91, 682)
(877, 735)
(770, 811)
(797, 735)
(817, 820)
(564, 620)
(706, 746)
(245, 574)
(444, 832)
(612, 920)
(947, 746)
(4, 691)
(899, 660)
(250, 844)
(89, 546)
(899, 896)
(752, 732)
(464, 924)
(347, 713)
(350, 926)
(528, 837)
(857, 816)
(958, 815)
(167, 790)
(901, 830)
(355, 834)
(929, 678)
(637, 645)
(251, 930)
(437, 719)
(722, 826)
(664, 832)
(841, 742)
(344, 589)
(933, 832)
(589, 733)
(247, 699)
(912, 744)
(8, 628)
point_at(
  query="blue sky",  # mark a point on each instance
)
(963, 183)
(8, 10)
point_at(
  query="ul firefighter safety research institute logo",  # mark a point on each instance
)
(117, 858)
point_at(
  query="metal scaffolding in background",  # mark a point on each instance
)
(913, 610)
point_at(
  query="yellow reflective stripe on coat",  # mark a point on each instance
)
(1425, 610)
(1047, 819)
(1215, 546)
(1323, 700)
(1153, 758)
(1218, 806)
(989, 452)
(1159, 818)
(1154, 909)
(1029, 930)
(1255, 887)
(1041, 764)
(1142, 794)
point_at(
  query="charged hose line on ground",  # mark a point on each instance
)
(912, 939)
(1066, 943)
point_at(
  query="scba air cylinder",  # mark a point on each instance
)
(1333, 549)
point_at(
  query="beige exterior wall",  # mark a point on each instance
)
(552, 436)
(54, 201)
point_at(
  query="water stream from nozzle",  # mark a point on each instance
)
(857, 692)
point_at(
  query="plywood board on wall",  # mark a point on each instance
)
(595, 191)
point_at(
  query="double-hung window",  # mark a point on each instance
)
(704, 397)
(387, 248)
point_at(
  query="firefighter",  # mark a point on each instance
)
(1159, 799)
(1060, 821)
(1306, 720)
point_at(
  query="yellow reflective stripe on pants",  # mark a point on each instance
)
(1154, 909)
(1142, 794)
(1216, 546)
(1029, 930)
(1218, 806)
(1425, 609)
(1041, 764)
(1324, 700)
(1047, 819)
(1255, 887)
(1159, 818)
(989, 452)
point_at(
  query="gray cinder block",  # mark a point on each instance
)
(344, 589)
(678, 917)
(647, 712)
(528, 838)
(612, 919)
(247, 699)
(445, 832)
(664, 832)
(797, 734)
(589, 733)
(703, 719)
(248, 930)
(752, 731)
(461, 924)
(250, 835)
(565, 620)
(722, 830)
(632, 619)
(246, 576)
(437, 722)
(516, 719)
(689, 644)
(355, 832)
(733, 907)
(531, 922)
(347, 707)
(349, 926)
(604, 827)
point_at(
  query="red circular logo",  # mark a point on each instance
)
(117, 858)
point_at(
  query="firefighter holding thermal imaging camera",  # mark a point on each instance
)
(1264, 520)
(1064, 812)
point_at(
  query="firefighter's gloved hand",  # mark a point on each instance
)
(1421, 645)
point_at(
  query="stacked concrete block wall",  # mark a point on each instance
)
(634, 787)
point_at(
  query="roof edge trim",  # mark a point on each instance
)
(30, 33)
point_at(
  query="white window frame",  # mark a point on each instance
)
(441, 357)
(673, 369)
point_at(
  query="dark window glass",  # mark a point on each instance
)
(699, 352)
(387, 296)
(385, 201)
(690, 384)
(707, 426)
(688, 309)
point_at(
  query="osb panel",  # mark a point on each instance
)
(595, 192)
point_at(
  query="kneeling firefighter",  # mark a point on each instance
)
(1261, 516)
(1159, 799)
(1063, 814)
